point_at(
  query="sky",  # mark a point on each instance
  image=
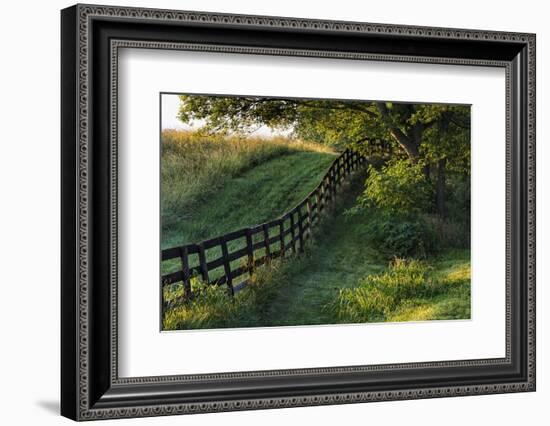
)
(169, 111)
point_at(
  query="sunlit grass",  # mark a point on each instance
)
(409, 290)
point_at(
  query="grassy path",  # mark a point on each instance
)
(337, 259)
(340, 257)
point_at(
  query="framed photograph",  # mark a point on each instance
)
(263, 212)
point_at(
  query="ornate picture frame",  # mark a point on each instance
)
(90, 39)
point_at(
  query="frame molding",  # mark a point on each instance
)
(91, 36)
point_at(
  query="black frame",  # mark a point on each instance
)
(90, 386)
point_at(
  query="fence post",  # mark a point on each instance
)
(282, 236)
(300, 229)
(333, 185)
(334, 182)
(184, 257)
(318, 198)
(249, 250)
(266, 240)
(292, 232)
(309, 221)
(203, 265)
(227, 266)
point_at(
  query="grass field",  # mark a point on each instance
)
(213, 185)
(238, 183)
(216, 186)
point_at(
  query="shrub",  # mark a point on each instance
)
(396, 198)
(399, 189)
(399, 237)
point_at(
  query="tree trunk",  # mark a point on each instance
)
(440, 189)
(406, 143)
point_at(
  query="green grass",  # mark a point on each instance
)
(409, 290)
(213, 308)
(340, 276)
(213, 185)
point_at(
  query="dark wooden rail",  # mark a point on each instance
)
(260, 243)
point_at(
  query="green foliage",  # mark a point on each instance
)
(409, 290)
(448, 137)
(395, 200)
(402, 238)
(340, 128)
(397, 189)
(237, 113)
(458, 200)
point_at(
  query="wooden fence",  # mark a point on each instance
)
(286, 234)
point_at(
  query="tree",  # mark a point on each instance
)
(434, 135)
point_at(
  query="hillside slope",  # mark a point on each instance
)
(255, 196)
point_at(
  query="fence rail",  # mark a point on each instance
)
(263, 242)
